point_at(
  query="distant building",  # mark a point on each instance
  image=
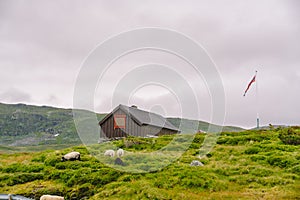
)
(124, 121)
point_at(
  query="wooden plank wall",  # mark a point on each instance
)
(132, 128)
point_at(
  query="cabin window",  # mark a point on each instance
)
(119, 121)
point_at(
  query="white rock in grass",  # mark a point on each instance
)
(196, 163)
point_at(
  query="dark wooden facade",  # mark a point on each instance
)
(132, 128)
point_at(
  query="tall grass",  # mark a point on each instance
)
(244, 165)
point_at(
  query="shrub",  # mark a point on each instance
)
(195, 146)
(62, 176)
(281, 161)
(296, 169)
(15, 167)
(165, 182)
(83, 191)
(231, 140)
(273, 181)
(290, 136)
(40, 158)
(222, 140)
(51, 161)
(274, 160)
(127, 178)
(195, 182)
(199, 138)
(252, 150)
(18, 167)
(261, 172)
(4, 179)
(221, 171)
(71, 165)
(35, 168)
(257, 158)
(24, 178)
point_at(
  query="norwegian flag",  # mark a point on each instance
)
(252, 81)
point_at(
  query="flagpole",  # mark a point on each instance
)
(257, 101)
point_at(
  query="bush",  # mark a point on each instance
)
(165, 182)
(258, 158)
(127, 178)
(273, 181)
(103, 177)
(245, 137)
(252, 150)
(261, 172)
(281, 161)
(83, 191)
(296, 169)
(290, 136)
(18, 167)
(63, 175)
(199, 138)
(71, 165)
(4, 179)
(40, 158)
(24, 178)
(15, 167)
(51, 161)
(35, 168)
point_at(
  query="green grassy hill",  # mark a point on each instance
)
(253, 164)
(26, 125)
(23, 125)
(186, 125)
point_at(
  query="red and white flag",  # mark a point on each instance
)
(252, 81)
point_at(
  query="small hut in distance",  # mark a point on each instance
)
(126, 121)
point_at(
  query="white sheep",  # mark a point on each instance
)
(110, 153)
(51, 197)
(71, 156)
(120, 152)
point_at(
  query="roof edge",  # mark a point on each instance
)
(121, 107)
(126, 110)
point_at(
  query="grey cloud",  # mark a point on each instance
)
(43, 44)
(14, 95)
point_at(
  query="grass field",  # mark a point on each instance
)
(254, 164)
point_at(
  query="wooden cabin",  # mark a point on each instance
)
(126, 121)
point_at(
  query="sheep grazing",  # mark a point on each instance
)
(120, 152)
(71, 156)
(51, 197)
(110, 153)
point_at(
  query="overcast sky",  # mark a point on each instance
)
(44, 43)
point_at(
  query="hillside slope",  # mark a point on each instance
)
(252, 164)
(186, 125)
(22, 125)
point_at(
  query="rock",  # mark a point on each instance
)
(196, 163)
(118, 161)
